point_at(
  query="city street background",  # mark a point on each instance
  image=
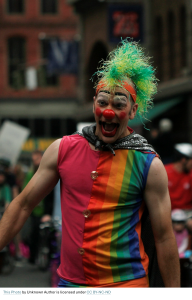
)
(49, 50)
(26, 275)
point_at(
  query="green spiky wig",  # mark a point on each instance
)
(129, 61)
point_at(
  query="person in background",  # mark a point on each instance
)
(5, 191)
(41, 213)
(179, 218)
(180, 180)
(19, 176)
(10, 176)
(183, 239)
(5, 164)
(5, 199)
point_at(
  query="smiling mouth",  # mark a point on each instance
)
(108, 129)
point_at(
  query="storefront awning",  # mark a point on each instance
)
(157, 110)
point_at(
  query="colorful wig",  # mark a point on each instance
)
(129, 62)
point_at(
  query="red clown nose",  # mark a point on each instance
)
(109, 114)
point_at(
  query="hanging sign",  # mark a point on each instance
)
(125, 21)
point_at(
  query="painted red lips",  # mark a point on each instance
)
(108, 129)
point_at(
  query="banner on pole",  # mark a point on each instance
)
(62, 57)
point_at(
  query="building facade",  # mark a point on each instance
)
(30, 95)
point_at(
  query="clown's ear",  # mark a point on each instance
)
(133, 111)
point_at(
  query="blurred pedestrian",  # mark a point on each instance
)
(5, 199)
(5, 191)
(180, 180)
(10, 176)
(11, 182)
(179, 218)
(19, 176)
(41, 213)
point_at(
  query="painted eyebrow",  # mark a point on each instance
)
(116, 93)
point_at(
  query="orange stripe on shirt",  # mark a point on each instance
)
(92, 225)
(107, 217)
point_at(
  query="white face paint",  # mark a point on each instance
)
(120, 109)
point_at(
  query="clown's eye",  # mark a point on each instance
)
(102, 102)
(120, 105)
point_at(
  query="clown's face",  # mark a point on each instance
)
(112, 112)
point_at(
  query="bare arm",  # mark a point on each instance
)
(40, 185)
(159, 206)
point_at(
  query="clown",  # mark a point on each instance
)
(112, 112)
(109, 175)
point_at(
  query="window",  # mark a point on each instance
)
(159, 46)
(55, 128)
(44, 78)
(171, 44)
(39, 128)
(23, 122)
(183, 35)
(49, 6)
(15, 6)
(98, 53)
(71, 126)
(16, 62)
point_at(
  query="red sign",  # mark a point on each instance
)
(125, 21)
(126, 24)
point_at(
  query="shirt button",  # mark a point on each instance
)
(86, 213)
(81, 251)
(94, 175)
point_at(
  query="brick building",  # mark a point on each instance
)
(164, 29)
(45, 103)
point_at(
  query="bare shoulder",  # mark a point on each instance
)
(50, 156)
(54, 146)
(157, 176)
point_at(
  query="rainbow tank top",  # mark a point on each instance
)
(102, 204)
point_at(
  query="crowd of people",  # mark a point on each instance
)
(12, 181)
(177, 159)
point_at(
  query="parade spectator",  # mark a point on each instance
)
(5, 191)
(41, 213)
(180, 180)
(5, 164)
(10, 176)
(5, 199)
(181, 234)
(19, 176)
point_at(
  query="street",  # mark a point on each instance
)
(25, 275)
